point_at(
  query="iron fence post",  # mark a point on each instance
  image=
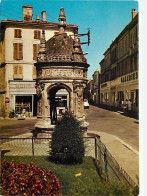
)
(95, 148)
(32, 145)
(105, 162)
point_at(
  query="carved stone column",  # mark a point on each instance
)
(78, 101)
(43, 107)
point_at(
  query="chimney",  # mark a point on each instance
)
(37, 17)
(43, 15)
(133, 13)
(27, 13)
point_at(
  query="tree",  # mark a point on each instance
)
(67, 144)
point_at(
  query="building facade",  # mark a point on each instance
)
(119, 68)
(19, 47)
(92, 90)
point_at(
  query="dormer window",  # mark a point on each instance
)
(17, 33)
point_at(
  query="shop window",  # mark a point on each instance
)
(133, 97)
(36, 48)
(17, 72)
(37, 35)
(23, 105)
(34, 72)
(17, 51)
(17, 33)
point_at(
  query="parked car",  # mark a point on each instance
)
(86, 104)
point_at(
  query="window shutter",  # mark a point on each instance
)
(38, 48)
(19, 33)
(15, 70)
(20, 51)
(20, 70)
(35, 34)
(34, 72)
(34, 51)
(15, 33)
(38, 34)
(15, 51)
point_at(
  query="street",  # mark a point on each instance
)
(14, 127)
(100, 120)
(123, 127)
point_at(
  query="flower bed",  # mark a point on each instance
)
(23, 179)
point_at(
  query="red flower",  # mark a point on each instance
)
(22, 179)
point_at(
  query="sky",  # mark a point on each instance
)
(106, 19)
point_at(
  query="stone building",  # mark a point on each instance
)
(119, 67)
(61, 65)
(19, 46)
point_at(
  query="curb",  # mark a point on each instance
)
(127, 145)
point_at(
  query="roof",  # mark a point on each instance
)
(59, 48)
(38, 23)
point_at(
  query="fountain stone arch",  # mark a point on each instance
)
(60, 65)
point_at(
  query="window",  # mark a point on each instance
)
(17, 51)
(34, 72)
(17, 33)
(36, 34)
(36, 48)
(17, 72)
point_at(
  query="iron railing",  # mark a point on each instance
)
(93, 147)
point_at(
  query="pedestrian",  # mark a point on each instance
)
(129, 107)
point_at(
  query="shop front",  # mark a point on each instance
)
(23, 98)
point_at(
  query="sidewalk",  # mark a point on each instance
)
(125, 155)
(120, 110)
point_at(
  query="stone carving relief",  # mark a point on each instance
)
(78, 89)
(65, 73)
(39, 73)
(85, 74)
(39, 107)
(39, 88)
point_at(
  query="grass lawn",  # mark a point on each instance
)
(86, 183)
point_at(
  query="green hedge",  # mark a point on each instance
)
(67, 144)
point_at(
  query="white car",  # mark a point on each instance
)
(86, 104)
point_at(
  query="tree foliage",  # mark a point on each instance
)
(67, 144)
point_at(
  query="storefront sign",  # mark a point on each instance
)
(7, 100)
(22, 87)
(133, 76)
(25, 86)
